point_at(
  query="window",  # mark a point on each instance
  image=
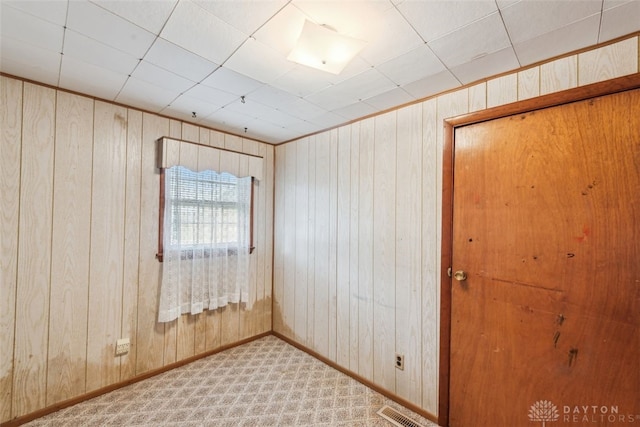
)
(205, 240)
(204, 211)
(205, 226)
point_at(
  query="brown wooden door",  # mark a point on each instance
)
(546, 224)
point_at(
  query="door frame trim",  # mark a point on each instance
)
(582, 93)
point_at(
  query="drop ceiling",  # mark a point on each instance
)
(199, 60)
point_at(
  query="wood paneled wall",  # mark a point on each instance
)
(79, 226)
(358, 224)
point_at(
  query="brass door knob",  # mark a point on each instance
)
(460, 276)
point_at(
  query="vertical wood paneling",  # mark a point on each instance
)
(365, 250)
(529, 83)
(80, 193)
(34, 250)
(409, 253)
(608, 62)
(343, 306)
(248, 317)
(502, 90)
(333, 237)
(150, 334)
(321, 250)
(384, 254)
(311, 246)
(431, 211)
(70, 248)
(354, 226)
(559, 75)
(301, 230)
(289, 250)
(245, 318)
(268, 183)
(10, 148)
(132, 241)
(279, 259)
(107, 243)
(233, 142)
(216, 139)
(478, 97)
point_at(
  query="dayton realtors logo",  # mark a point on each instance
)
(545, 411)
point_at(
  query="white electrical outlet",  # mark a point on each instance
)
(122, 346)
(399, 361)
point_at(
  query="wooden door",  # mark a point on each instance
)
(546, 225)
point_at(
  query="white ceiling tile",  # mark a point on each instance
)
(381, 48)
(327, 120)
(273, 97)
(413, 65)
(30, 29)
(362, 86)
(566, 39)
(148, 14)
(495, 63)
(232, 121)
(232, 82)
(432, 85)
(304, 128)
(389, 99)
(482, 37)
(355, 111)
(101, 25)
(620, 20)
(505, 3)
(199, 31)
(216, 97)
(302, 81)
(364, 20)
(54, 11)
(245, 15)
(88, 50)
(146, 96)
(89, 78)
(162, 78)
(179, 61)
(302, 109)
(331, 98)
(433, 19)
(526, 20)
(28, 61)
(269, 132)
(259, 61)
(184, 106)
(260, 111)
(184, 69)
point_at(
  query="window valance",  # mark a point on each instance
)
(199, 157)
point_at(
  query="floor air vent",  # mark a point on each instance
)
(396, 418)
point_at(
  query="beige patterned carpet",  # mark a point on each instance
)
(266, 382)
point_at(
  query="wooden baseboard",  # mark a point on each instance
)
(399, 400)
(75, 400)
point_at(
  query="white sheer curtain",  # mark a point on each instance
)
(205, 241)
